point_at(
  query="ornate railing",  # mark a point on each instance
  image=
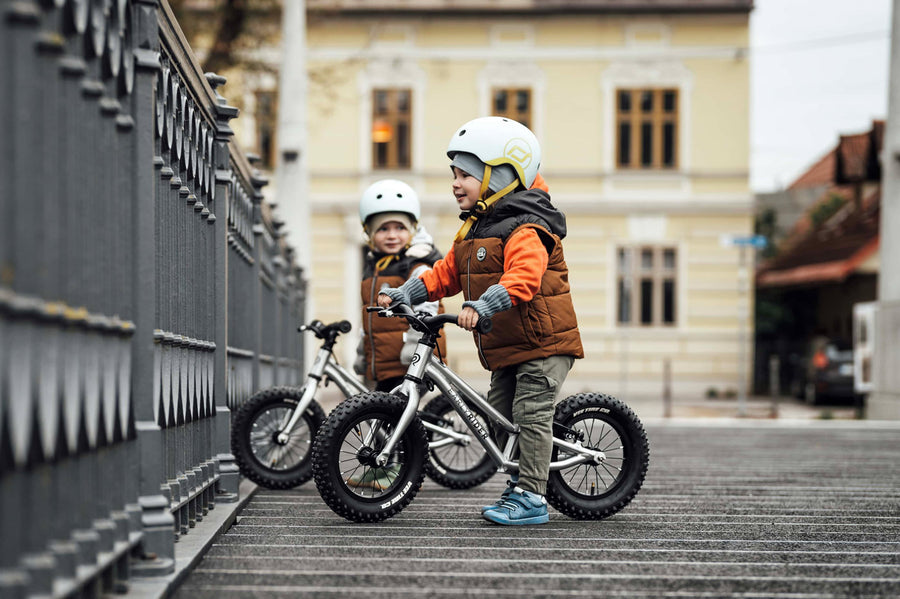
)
(143, 294)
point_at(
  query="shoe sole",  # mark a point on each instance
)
(499, 519)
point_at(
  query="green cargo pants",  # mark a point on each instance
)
(526, 394)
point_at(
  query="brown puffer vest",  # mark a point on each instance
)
(384, 336)
(543, 327)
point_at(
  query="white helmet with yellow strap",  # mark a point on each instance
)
(499, 140)
(496, 141)
(389, 196)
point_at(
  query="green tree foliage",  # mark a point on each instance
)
(223, 31)
(826, 209)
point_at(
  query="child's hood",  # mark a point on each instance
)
(534, 202)
(422, 244)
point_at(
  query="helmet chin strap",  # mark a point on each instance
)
(484, 205)
(384, 262)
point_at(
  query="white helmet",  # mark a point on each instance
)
(388, 195)
(499, 140)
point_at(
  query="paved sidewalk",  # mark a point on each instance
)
(730, 508)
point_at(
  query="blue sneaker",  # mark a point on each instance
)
(510, 485)
(520, 507)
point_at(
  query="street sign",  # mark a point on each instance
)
(756, 241)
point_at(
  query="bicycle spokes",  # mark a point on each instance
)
(267, 448)
(358, 452)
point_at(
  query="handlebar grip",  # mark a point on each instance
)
(344, 326)
(373, 308)
(484, 325)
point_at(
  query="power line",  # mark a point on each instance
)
(837, 40)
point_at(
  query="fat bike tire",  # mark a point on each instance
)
(347, 478)
(456, 466)
(595, 491)
(254, 428)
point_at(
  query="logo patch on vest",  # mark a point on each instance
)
(481, 254)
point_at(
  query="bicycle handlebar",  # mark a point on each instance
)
(324, 330)
(432, 323)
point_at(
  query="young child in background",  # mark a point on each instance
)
(399, 248)
(508, 261)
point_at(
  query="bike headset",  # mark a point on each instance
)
(327, 332)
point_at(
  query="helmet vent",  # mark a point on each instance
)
(379, 196)
(463, 132)
(399, 195)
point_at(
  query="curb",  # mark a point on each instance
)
(190, 548)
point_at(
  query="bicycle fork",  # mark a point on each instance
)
(313, 378)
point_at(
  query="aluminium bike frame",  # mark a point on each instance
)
(325, 367)
(461, 394)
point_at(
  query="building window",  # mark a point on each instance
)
(646, 285)
(647, 128)
(266, 125)
(391, 134)
(513, 103)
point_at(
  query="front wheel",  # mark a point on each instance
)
(255, 428)
(347, 476)
(455, 466)
(592, 491)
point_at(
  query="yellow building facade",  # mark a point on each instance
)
(643, 119)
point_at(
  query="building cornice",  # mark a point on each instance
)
(479, 8)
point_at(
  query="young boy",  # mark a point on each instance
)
(507, 259)
(399, 248)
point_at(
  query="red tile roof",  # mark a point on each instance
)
(820, 272)
(832, 249)
(830, 252)
(820, 173)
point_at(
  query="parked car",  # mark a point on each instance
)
(825, 372)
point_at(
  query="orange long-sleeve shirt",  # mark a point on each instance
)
(524, 261)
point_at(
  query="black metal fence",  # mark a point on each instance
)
(143, 293)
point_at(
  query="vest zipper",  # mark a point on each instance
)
(371, 315)
(469, 293)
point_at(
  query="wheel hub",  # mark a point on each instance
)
(366, 457)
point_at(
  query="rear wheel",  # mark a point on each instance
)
(591, 491)
(349, 480)
(456, 465)
(255, 428)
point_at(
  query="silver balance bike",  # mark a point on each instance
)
(600, 450)
(272, 432)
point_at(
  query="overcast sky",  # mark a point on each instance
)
(819, 69)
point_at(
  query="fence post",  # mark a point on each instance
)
(667, 388)
(157, 522)
(774, 383)
(229, 475)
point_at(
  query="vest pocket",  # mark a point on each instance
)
(536, 320)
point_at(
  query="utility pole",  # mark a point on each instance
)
(291, 173)
(884, 401)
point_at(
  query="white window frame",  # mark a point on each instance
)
(647, 75)
(392, 74)
(514, 74)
